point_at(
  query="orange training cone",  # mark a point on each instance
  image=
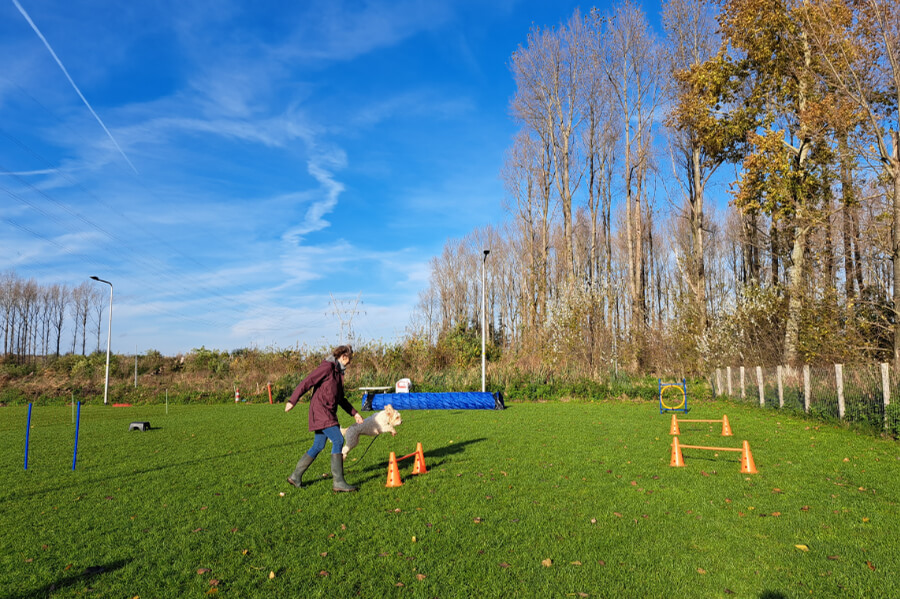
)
(726, 428)
(393, 476)
(419, 466)
(747, 465)
(677, 458)
(674, 430)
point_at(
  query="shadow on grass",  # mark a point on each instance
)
(433, 459)
(772, 595)
(89, 574)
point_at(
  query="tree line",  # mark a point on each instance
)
(43, 320)
(613, 253)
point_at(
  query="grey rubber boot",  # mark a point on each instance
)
(337, 472)
(297, 476)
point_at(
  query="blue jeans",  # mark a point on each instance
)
(333, 434)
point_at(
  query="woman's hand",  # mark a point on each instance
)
(358, 418)
(288, 406)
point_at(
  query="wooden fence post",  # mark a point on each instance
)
(728, 376)
(839, 381)
(718, 382)
(806, 388)
(743, 387)
(780, 373)
(759, 384)
(885, 390)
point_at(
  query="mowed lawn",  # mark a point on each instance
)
(539, 500)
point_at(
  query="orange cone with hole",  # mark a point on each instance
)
(726, 428)
(674, 430)
(747, 465)
(393, 477)
(419, 465)
(677, 458)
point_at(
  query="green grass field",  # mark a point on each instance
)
(539, 500)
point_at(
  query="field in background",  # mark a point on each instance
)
(552, 499)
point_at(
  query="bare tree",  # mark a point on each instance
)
(632, 67)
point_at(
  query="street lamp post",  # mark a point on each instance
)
(483, 316)
(108, 337)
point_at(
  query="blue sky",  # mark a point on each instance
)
(232, 165)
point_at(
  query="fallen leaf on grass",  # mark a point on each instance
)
(271, 575)
(212, 591)
(802, 547)
(601, 562)
(617, 514)
(777, 490)
(324, 553)
(245, 552)
(477, 520)
(420, 576)
(805, 508)
(865, 519)
(547, 562)
(202, 571)
(834, 557)
(704, 473)
(576, 563)
(503, 565)
(197, 530)
(323, 573)
(399, 584)
(776, 514)
(701, 571)
(593, 520)
(214, 582)
(871, 567)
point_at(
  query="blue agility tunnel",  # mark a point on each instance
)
(434, 401)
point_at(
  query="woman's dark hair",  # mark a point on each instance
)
(342, 350)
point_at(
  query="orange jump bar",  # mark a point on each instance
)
(710, 448)
(726, 426)
(747, 464)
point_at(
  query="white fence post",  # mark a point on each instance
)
(728, 376)
(806, 388)
(780, 387)
(743, 387)
(885, 390)
(759, 384)
(718, 382)
(839, 380)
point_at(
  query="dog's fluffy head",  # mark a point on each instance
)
(389, 417)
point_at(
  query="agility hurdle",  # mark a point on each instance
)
(680, 406)
(393, 475)
(747, 464)
(726, 427)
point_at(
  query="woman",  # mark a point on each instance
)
(327, 383)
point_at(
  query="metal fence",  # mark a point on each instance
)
(858, 393)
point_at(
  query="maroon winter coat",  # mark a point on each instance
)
(327, 383)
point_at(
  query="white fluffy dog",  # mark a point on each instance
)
(380, 422)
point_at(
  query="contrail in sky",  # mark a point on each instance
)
(78, 91)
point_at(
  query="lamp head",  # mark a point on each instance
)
(486, 252)
(96, 278)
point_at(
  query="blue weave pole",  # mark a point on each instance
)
(434, 401)
(27, 431)
(77, 422)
